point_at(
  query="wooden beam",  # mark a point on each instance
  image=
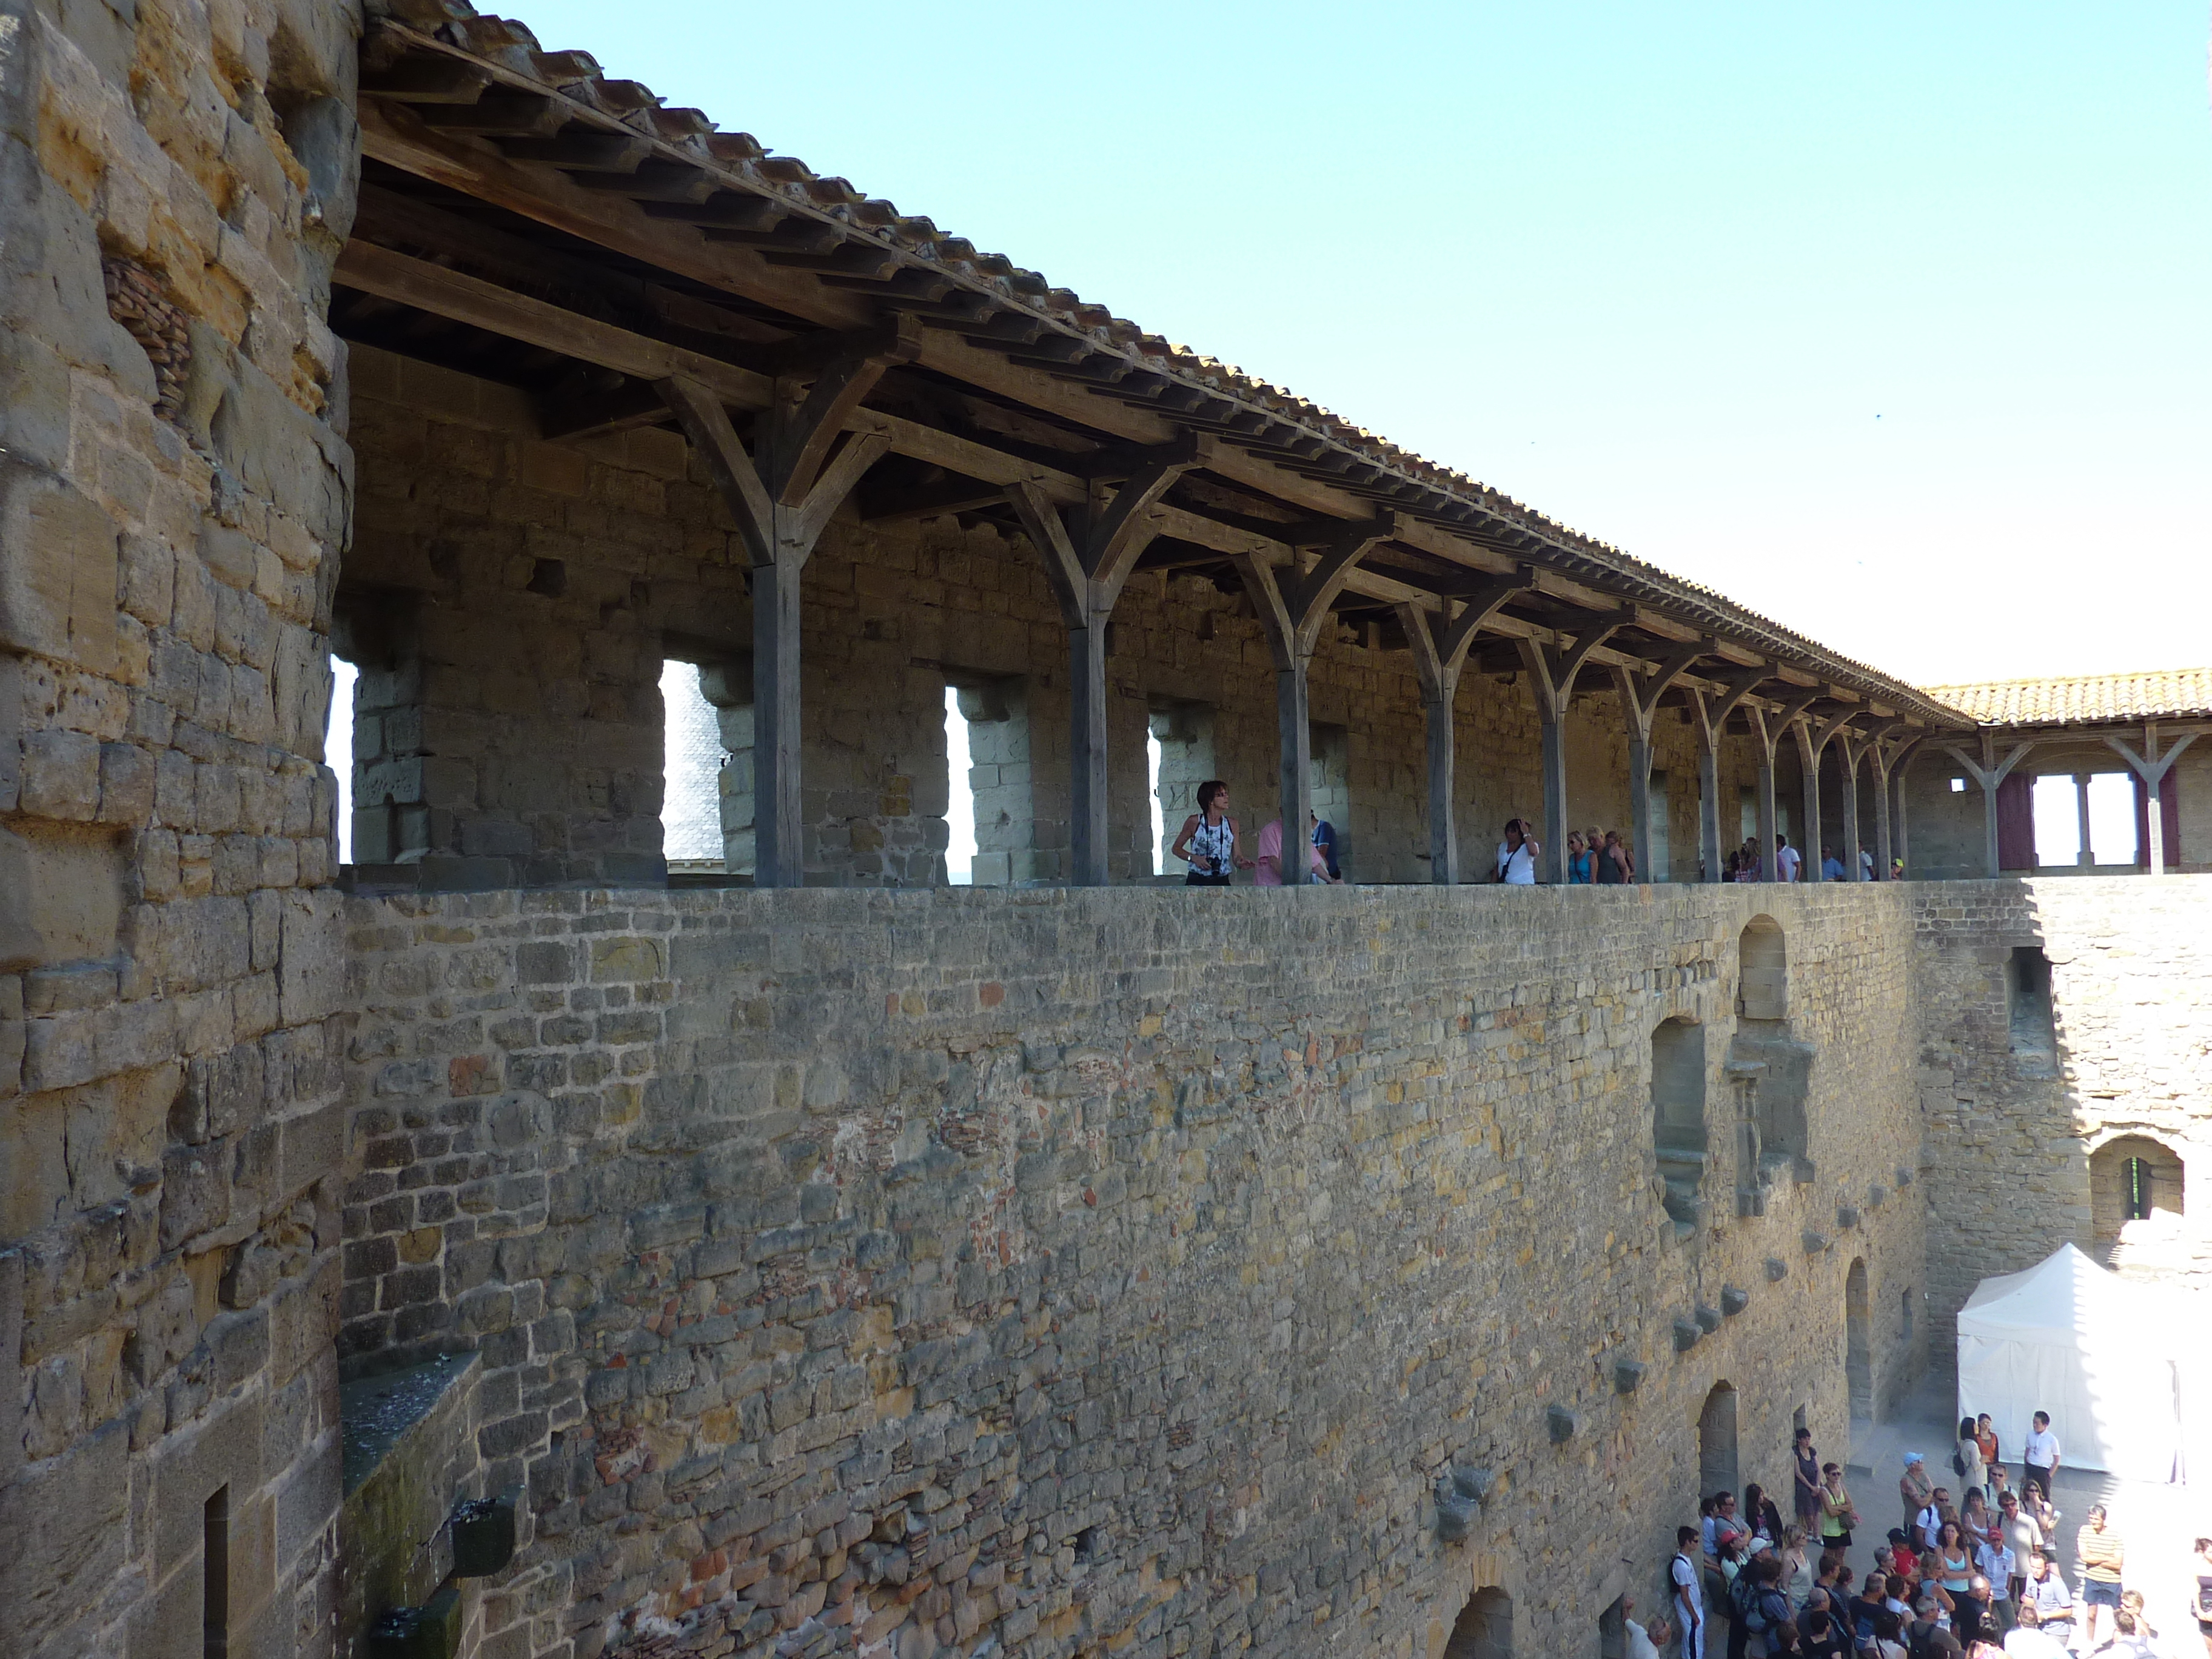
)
(398, 137)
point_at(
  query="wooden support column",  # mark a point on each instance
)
(1088, 555)
(1292, 612)
(1641, 686)
(1439, 648)
(1885, 756)
(1551, 669)
(1767, 735)
(782, 492)
(1812, 739)
(1988, 773)
(1899, 822)
(2151, 768)
(1849, 746)
(1767, 727)
(1708, 713)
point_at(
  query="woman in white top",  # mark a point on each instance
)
(1208, 840)
(1797, 1575)
(1517, 856)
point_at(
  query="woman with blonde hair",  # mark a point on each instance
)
(1797, 1575)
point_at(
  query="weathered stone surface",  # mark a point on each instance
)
(926, 1193)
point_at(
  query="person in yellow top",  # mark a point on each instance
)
(2102, 1553)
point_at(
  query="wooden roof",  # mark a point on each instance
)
(526, 218)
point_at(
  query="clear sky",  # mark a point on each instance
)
(1893, 321)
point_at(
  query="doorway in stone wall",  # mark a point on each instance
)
(1485, 1628)
(1717, 1454)
(1858, 1341)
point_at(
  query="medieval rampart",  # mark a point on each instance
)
(1113, 1263)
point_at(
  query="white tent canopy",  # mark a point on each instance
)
(2104, 1355)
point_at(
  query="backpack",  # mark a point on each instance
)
(2204, 1599)
(1958, 1464)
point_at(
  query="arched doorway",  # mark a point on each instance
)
(1485, 1629)
(1717, 1459)
(1858, 1341)
(1762, 962)
(2130, 1179)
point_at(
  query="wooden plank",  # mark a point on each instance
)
(450, 294)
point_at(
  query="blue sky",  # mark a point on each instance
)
(1896, 324)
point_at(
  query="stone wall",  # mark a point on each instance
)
(1068, 1269)
(2016, 1101)
(510, 602)
(174, 490)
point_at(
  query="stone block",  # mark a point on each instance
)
(62, 1532)
(59, 562)
(311, 973)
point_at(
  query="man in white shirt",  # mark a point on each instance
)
(1644, 1641)
(1689, 1596)
(1786, 858)
(1998, 1565)
(2028, 1640)
(2039, 1456)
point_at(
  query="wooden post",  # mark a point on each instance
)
(1708, 713)
(782, 493)
(1881, 820)
(1767, 726)
(1088, 555)
(1897, 783)
(1886, 759)
(1849, 748)
(2152, 769)
(1989, 774)
(1765, 734)
(1641, 685)
(1708, 810)
(1811, 739)
(1439, 648)
(1292, 614)
(1551, 669)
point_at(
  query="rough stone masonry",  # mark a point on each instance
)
(1070, 1269)
(873, 1272)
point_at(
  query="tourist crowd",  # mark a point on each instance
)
(1972, 1568)
(1212, 844)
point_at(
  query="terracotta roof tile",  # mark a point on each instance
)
(2159, 693)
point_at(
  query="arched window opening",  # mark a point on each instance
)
(2133, 1178)
(1858, 1341)
(1678, 1117)
(1485, 1628)
(1763, 959)
(1717, 1454)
